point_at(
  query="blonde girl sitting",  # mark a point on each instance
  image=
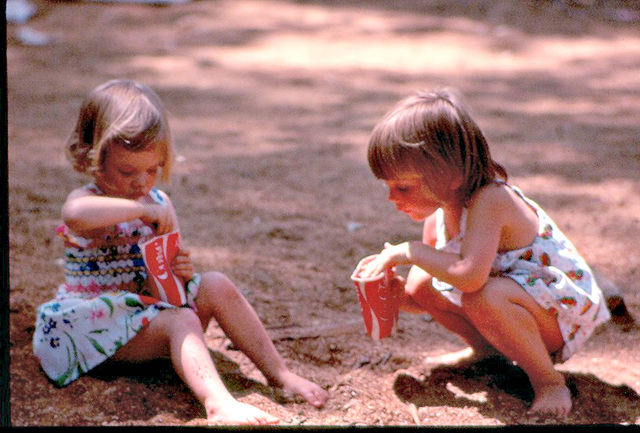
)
(103, 310)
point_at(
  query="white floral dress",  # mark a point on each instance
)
(551, 270)
(103, 303)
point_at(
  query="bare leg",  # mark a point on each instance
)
(178, 333)
(421, 297)
(219, 298)
(524, 332)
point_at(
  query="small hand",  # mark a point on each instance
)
(158, 216)
(182, 265)
(390, 256)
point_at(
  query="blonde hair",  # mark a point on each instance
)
(124, 113)
(432, 134)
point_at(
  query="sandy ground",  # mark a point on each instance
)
(271, 104)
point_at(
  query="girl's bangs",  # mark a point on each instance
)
(391, 158)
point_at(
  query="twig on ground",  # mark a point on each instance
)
(297, 333)
(413, 409)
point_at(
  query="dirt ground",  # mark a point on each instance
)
(271, 106)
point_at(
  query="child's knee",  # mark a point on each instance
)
(474, 301)
(484, 301)
(215, 287)
(421, 290)
(184, 318)
(168, 323)
(417, 285)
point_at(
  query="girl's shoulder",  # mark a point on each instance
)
(501, 203)
(495, 195)
(504, 206)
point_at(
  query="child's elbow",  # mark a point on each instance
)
(471, 285)
(470, 279)
(72, 216)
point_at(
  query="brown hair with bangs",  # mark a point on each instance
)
(432, 134)
(122, 113)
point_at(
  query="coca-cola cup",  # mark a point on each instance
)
(380, 305)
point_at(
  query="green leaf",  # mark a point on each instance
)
(97, 346)
(133, 302)
(109, 304)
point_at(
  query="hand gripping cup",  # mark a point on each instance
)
(380, 306)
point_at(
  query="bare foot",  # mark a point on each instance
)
(554, 399)
(296, 386)
(463, 358)
(234, 412)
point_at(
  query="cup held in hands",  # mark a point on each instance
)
(163, 283)
(380, 305)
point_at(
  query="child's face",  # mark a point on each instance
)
(410, 194)
(129, 174)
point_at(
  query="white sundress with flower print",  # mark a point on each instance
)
(103, 303)
(551, 270)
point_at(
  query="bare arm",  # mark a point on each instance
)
(469, 270)
(84, 212)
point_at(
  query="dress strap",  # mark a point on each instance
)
(93, 188)
(157, 197)
(441, 228)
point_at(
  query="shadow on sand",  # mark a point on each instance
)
(501, 390)
(161, 372)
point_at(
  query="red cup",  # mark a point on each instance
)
(380, 306)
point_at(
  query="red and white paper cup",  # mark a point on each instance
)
(163, 283)
(380, 306)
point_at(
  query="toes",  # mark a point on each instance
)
(284, 396)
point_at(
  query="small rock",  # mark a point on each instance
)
(354, 226)
(363, 361)
(33, 38)
(19, 11)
